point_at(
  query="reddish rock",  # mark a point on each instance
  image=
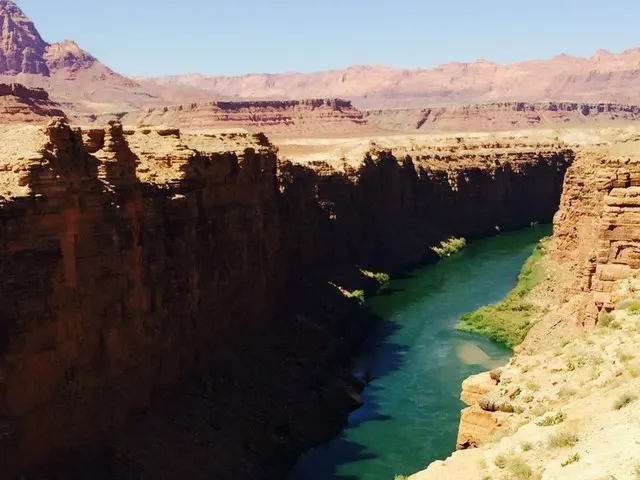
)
(22, 48)
(19, 104)
(291, 118)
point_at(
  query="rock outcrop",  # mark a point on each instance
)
(22, 48)
(19, 104)
(501, 116)
(291, 118)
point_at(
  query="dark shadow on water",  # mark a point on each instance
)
(344, 451)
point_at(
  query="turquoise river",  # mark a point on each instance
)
(418, 360)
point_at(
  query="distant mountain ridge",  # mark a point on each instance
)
(83, 85)
(604, 77)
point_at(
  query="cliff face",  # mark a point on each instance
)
(19, 104)
(21, 46)
(111, 279)
(303, 117)
(596, 226)
(389, 211)
(137, 262)
(500, 116)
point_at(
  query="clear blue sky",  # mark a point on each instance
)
(218, 37)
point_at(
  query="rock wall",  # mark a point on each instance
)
(596, 226)
(166, 297)
(387, 212)
(500, 116)
(19, 104)
(295, 117)
(115, 286)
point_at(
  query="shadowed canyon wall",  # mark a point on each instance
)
(136, 262)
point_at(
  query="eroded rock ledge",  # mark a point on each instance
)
(137, 262)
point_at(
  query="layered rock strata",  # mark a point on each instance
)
(500, 116)
(137, 262)
(299, 117)
(19, 104)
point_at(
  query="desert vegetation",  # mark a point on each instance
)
(450, 246)
(510, 320)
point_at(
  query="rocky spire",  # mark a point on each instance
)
(21, 46)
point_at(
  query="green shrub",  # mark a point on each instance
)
(624, 400)
(605, 319)
(383, 279)
(552, 419)
(510, 320)
(572, 459)
(563, 439)
(634, 308)
(357, 295)
(401, 477)
(449, 247)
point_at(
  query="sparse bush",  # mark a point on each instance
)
(634, 308)
(526, 446)
(636, 471)
(539, 410)
(400, 477)
(450, 246)
(482, 464)
(566, 393)
(533, 386)
(528, 399)
(624, 400)
(572, 459)
(519, 469)
(500, 461)
(563, 439)
(605, 319)
(551, 420)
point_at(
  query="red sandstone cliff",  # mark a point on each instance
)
(303, 117)
(19, 104)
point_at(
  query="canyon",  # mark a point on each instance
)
(148, 272)
(185, 259)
